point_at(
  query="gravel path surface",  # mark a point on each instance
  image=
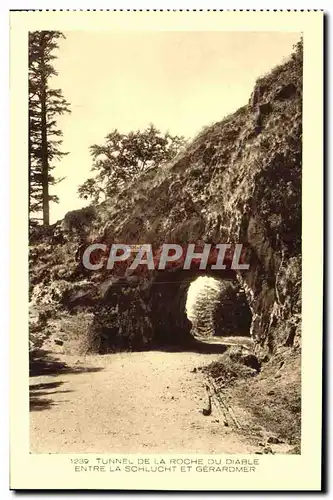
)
(126, 403)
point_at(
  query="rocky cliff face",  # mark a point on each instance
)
(239, 181)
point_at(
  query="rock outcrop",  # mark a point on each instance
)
(239, 181)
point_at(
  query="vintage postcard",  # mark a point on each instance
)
(167, 194)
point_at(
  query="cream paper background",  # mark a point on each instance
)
(275, 472)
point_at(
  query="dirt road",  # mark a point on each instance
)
(126, 403)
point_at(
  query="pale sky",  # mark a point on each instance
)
(179, 81)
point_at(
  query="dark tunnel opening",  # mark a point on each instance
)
(188, 305)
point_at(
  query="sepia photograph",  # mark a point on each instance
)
(157, 356)
(165, 264)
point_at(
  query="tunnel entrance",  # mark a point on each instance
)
(175, 307)
(217, 307)
(194, 305)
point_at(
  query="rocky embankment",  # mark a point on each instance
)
(239, 181)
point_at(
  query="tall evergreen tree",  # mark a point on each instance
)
(45, 104)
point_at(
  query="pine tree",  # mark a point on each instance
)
(45, 104)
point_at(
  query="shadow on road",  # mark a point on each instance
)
(37, 392)
(46, 363)
(196, 346)
(206, 347)
(211, 345)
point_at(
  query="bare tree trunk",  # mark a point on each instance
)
(30, 173)
(44, 145)
(45, 171)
